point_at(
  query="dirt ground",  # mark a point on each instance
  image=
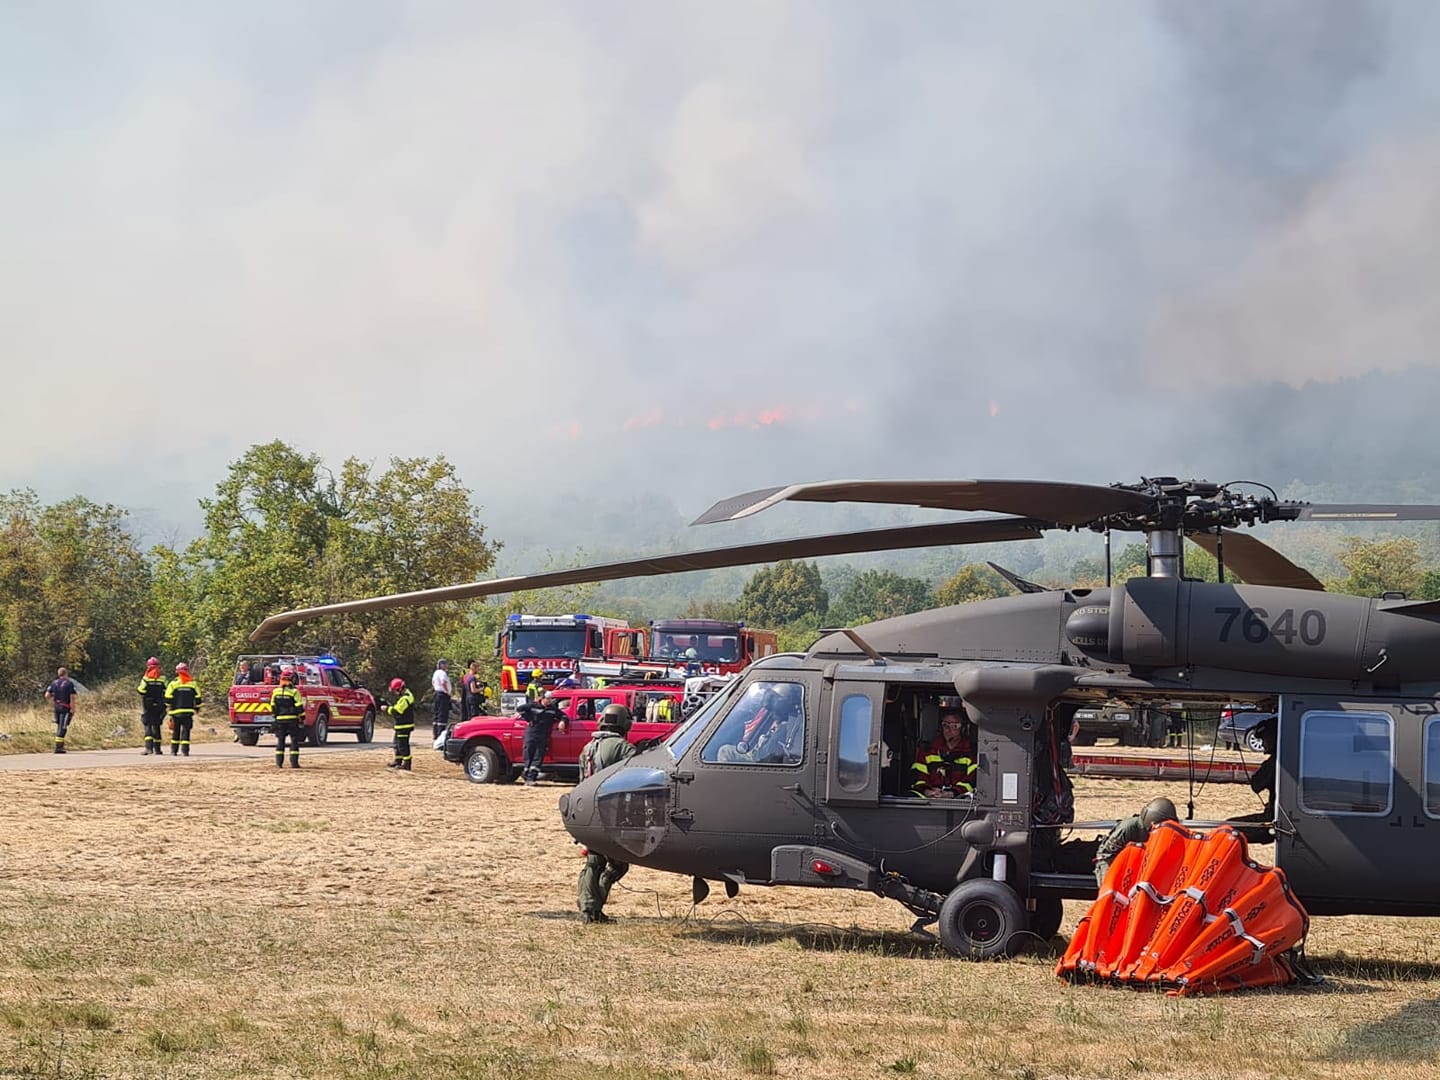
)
(227, 919)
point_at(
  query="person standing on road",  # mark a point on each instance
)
(287, 708)
(539, 719)
(440, 683)
(182, 702)
(609, 744)
(152, 706)
(61, 694)
(470, 700)
(402, 712)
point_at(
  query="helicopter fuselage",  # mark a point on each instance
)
(1357, 761)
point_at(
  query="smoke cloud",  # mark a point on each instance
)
(695, 249)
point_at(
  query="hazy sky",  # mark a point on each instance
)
(697, 247)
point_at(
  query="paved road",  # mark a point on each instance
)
(199, 753)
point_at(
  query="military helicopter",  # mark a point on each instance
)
(1354, 682)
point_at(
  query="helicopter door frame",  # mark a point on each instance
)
(1350, 805)
(852, 765)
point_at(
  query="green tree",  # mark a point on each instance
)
(1377, 566)
(879, 594)
(782, 593)
(1429, 586)
(973, 582)
(74, 590)
(283, 532)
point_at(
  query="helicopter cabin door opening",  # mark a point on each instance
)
(1357, 798)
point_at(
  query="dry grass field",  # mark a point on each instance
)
(229, 920)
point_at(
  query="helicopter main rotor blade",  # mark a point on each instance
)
(1015, 580)
(1372, 512)
(1066, 504)
(1257, 563)
(985, 531)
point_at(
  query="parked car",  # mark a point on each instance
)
(1240, 727)
(489, 748)
(1131, 725)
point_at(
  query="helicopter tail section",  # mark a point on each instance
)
(1191, 913)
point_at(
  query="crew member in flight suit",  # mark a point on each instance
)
(1132, 830)
(607, 746)
(287, 708)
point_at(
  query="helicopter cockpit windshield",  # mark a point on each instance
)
(680, 739)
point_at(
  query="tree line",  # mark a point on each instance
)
(283, 531)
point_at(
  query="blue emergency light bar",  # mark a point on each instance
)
(328, 661)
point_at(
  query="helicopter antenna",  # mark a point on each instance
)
(1220, 554)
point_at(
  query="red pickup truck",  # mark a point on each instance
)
(333, 700)
(490, 748)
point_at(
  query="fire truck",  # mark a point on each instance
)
(709, 646)
(555, 644)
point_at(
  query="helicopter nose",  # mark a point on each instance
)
(621, 813)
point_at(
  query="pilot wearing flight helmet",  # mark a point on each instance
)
(774, 733)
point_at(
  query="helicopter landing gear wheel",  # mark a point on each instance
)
(981, 919)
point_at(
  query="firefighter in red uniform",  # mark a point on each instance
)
(945, 769)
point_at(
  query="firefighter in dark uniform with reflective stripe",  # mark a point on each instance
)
(182, 702)
(946, 768)
(287, 708)
(152, 706)
(402, 711)
(609, 745)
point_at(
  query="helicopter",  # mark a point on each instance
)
(1354, 683)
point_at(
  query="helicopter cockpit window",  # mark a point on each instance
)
(1346, 763)
(765, 727)
(852, 766)
(680, 739)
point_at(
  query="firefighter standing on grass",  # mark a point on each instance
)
(402, 711)
(182, 702)
(609, 744)
(152, 706)
(287, 708)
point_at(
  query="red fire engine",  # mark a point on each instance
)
(719, 647)
(555, 644)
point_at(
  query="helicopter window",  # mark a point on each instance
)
(681, 738)
(853, 761)
(1346, 765)
(1432, 766)
(766, 727)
